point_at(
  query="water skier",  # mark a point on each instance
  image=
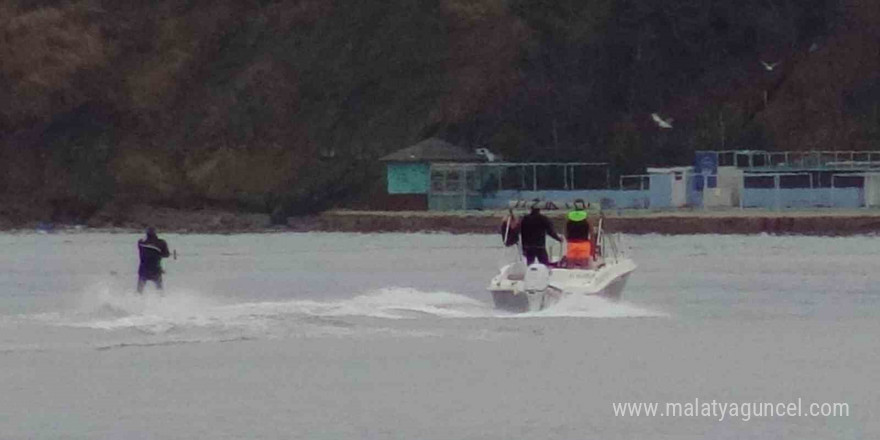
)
(151, 250)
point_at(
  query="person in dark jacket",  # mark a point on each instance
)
(533, 229)
(151, 250)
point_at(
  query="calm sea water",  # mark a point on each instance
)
(393, 336)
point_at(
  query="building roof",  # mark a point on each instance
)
(433, 150)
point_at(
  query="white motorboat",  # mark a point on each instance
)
(521, 288)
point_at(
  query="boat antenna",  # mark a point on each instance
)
(507, 224)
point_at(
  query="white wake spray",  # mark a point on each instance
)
(579, 306)
(106, 307)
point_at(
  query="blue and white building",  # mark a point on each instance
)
(438, 176)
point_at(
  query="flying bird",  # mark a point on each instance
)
(769, 67)
(490, 157)
(662, 123)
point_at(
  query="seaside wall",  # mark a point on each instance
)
(609, 198)
(867, 222)
(769, 198)
(455, 202)
(803, 197)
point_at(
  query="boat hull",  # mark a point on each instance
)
(509, 301)
(510, 292)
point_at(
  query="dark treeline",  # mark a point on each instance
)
(284, 106)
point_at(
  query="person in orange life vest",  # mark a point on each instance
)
(577, 234)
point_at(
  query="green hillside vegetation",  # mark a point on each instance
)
(284, 107)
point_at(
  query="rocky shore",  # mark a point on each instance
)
(138, 217)
(818, 222)
(827, 222)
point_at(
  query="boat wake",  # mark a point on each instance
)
(595, 307)
(179, 311)
(106, 308)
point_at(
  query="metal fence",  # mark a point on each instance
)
(801, 190)
(799, 159)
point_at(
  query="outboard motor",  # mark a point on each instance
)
(537, 278)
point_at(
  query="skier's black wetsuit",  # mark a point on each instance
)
(151, 251)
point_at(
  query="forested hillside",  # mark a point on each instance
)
(285, 106)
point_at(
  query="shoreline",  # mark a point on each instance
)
(745, 222)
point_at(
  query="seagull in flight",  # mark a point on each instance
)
(486, 153)
(662, 123)
(768, 66)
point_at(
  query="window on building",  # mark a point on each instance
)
(473, 181)
(438, 181)
(453, 180)
(759, 181)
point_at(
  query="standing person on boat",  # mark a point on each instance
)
(533, 229)
(579, 249)
(151, 251)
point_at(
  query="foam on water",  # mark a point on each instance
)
(595, 307)
(394, 303)
(105, 307)
(388, 303)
